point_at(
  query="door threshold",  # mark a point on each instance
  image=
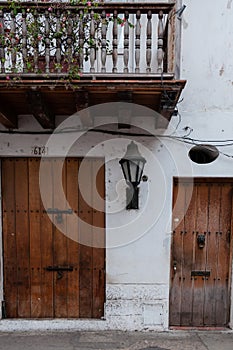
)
(198, 328)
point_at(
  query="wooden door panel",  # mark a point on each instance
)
(188, 256)
(10, 259)
(32, 243)
(202, 279)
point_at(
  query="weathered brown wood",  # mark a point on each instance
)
(98, 294)
(188, 261)
(176, 258)
(200, 253)
(205, 298)
(85, 234)
(39, 110)
(59, 240)
(9, 238)
(47, 246)
(32, 243)
(211, 258)
(223, 257)
(35, 237)
(22, 237)
(73, 239)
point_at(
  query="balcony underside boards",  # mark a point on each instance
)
(46, 98)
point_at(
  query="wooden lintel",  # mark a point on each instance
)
(82, 104)
(40, 111)
(8, 117)
(125, 113)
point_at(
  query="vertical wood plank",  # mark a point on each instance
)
(177, 253)
(72, 242)
(188, 254)
(35, 238)
(223, 253)
(60, 242)
(9, 238)
(200, 253)
(22, 237)
(85, 234)
(99, 239)
(211, 259)
(47, 295)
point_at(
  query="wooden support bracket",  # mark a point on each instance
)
(8, 117)
(125, 113)
(82, 104)
(40, 111)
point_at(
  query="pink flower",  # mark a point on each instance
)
(107, 15)
(7, 77)
(50, 9)
(89, 3)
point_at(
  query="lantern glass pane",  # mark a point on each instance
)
(125, 169)
(134, 170)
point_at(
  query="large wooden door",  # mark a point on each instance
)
(201, 252)
(46, 274)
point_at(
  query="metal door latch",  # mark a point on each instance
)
(59, 213)
(59, 269)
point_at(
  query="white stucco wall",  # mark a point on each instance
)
(138, 265)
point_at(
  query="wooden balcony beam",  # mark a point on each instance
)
(39, 110)
(129, 6)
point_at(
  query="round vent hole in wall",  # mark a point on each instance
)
(203, 154)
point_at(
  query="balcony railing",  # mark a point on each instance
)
(111, 38)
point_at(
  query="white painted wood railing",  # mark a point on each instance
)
(112, 38)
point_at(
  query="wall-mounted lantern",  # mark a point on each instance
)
(132, 165)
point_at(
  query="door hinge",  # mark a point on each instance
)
(3, 309)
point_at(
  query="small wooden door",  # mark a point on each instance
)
(201, 254)
(34, 248)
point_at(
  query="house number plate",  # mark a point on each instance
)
(39, 150)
